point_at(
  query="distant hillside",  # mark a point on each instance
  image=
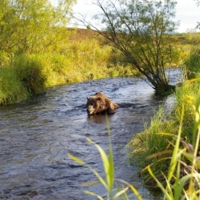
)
(82, 34)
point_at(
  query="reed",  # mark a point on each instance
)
(109, 180)
(183, 178)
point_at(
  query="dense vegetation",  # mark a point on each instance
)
(173, 136)
(37, 51)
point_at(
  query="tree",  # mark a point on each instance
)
(142, 30)
(31, 26)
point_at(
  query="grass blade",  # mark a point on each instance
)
(93, 194)
(106, 165)
(176, 149)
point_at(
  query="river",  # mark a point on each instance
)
(36, 137)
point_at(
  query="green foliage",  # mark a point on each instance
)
(28, 69)
(29, 26)
(11, 89)
(185, 175)
(76, 62)
(163, 146)
(142, 32)
(192, 64)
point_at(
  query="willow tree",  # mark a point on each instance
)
(32, 26)
(142, 30)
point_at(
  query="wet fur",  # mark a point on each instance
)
(99, 104)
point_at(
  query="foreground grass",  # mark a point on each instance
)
(167, 151)
(109, 181)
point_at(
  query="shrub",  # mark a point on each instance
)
(193, 64)
(11, 88)
(29, 70)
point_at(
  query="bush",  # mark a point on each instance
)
(29, 70)
(193, 64)
(11, 88)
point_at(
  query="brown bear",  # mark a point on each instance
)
(99, 103)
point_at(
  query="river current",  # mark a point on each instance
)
(36, 138)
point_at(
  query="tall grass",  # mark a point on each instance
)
(74, 62)
(193, 62)
(11, 88)
(109, 180)
(161, 149)
(183, 178)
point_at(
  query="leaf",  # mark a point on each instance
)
(95, 172)
(166, 134)
(76, 159)
(120, 193)
(93, 194)
(179, 187)
(132, 188)
(158, 154)
(190, 157)
(159, 184)
(89, 183)
(111, 160)
(105, 163)
(176, 149)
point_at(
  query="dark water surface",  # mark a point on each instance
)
(36, 137)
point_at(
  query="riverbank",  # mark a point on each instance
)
(28, 75)
(165, 150)
(81, 55)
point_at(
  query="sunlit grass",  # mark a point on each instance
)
(76, 62)
(183, 178)
(168, 150)
(109, 180)
(11, 88)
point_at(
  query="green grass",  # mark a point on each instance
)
(11, 88)
(193, 62)
(161, 150)
(75, 62)
(109, 180)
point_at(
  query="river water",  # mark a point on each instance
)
(36, 137)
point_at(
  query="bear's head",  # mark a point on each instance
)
(99, 103)
(96, 104)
